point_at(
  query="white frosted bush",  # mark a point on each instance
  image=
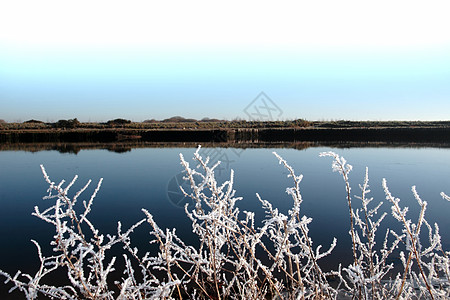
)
(236, 257)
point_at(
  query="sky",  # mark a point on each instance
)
(316, 60)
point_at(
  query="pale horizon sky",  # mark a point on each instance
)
(321, 60)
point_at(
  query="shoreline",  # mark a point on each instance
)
(419, 134)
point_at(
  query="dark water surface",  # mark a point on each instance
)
(148, 177)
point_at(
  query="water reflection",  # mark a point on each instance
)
(237, 147)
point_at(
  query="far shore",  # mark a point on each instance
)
(231, 132)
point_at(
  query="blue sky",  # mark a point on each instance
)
(99, 60)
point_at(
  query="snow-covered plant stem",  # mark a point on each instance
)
(412, 231)
(445, 196)
(340, 165)
(369, 269)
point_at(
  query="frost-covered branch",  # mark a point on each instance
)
(445, 196)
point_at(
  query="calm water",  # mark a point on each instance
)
(147, 178)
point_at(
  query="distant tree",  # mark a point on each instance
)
(150, 121)
(71, 123)
(33, 121)
(2, 121)
(118, 122)
(173, 119)
(301, 123)
(178, 119)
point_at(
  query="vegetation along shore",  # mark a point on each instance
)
(178, 129)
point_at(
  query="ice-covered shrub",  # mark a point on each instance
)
(237, 257)
(368, 275)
